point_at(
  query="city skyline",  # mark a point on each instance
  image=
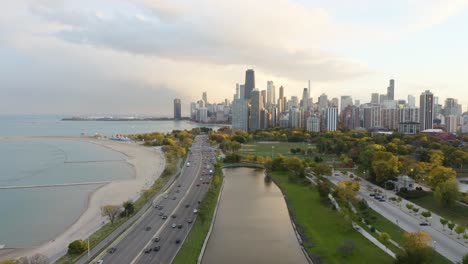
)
(59, 57)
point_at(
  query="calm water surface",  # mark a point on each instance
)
(252, 223)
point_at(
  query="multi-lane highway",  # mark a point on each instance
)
(153, 238)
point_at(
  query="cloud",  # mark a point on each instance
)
(283, 39)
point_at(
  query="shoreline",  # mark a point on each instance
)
(147, 165)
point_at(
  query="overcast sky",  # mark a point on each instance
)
(135, 56)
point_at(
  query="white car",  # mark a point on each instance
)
(195, 211)
(100, 261)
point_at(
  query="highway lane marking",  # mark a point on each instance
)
(135, 223)
(175, 209)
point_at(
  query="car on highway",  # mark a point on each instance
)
(423, 224)
(178, 191)
(179, 185)
(148, 250)
(189, 221)
(371, 194)
(187, 205)
(173, 216)
(179, 226)
(177, 241)
(201, 179)
(112, 250)
(164, 217)
(198, 185)
(173, 198)
(195, 211)
(161, 207)
(148, 228)
(174, 225)
(156, 239)
(100, 261)
(156, 206)
(161, 213)
(156, 248)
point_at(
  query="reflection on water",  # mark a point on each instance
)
(252, 224)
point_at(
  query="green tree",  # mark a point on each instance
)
(441, 174)
(465, 259)
(451, 225)
(295, 165)
(110, 211)
(384, 237)
(458, 158)
(426, 214)
(447, 193)
(443, 222)
(409, 206)
(459, 230)
(321, 169)
(77, 247)
(129, 207)
(436, 157)
(384, 165)
(415, 248)
(415, 210)
(147, 194)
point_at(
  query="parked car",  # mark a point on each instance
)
(156, 248)
(156, 239)
(112, 250)
(148, 250)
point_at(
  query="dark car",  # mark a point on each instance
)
(178, 191)
(187, 205)
(164, 217)
(112, 250)
(161, 207)
(423, 224)
(173, 198)
(148, 228)
(173, 216)
(382, 200)
(179, 226)
(148, 250)
(156, 206)
(156, 239)
(177, 241)
(161, 214)
(156, 248)
(189, 221)
(198, 185)
(371, 194)
(179, 185)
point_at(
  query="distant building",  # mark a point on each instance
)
(332, 118)
(249, 83)
(313, 124)
(426, 110)
(240, 115)
(256, 105)
(409, 120)
(177, 109)
(295, 117)
(374, 98)
(451, 123)
(391, 90)
(372, 116)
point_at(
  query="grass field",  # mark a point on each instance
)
(323, 227)
(266, 148)
(192, 246)
(458, 213)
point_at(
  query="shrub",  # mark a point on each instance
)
(77, 247)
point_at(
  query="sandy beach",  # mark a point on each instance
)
(148, 164)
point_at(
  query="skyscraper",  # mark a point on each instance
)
(177, 109)
(305, 99)
(205, 98)
(332, 118)
(281, 100)
(426, 110)
(411, 101)
(240, 115)
(391, 90)
(374, 98)
(270, 93)
(322, 103)
(264, 96)
(346, 101)
(241, 91)
(256, 104)
(249, 83)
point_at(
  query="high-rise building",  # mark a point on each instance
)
(241, 91)
(249, 83)
(332, 118)
(409, 120)
(391, 90)
(256, 105)
(240, 115)
(375, 98)
(390, 118)
(205, 98)
(305, 99)
(323, 103)
(426, 110)
(177, 109)
(357, 102)
(334, 102)
(313, 124)
(372, 116)
(271, 99)
(295, 117)
(451, 123)
(281, 100)
(411, 101)
(451, 107)
(346, 101)
(237, 94)
(264, 96)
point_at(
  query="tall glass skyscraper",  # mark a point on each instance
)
(177, 109)
(249, 83)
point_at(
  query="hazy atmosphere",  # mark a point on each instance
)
(135, 56)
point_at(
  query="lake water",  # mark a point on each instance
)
(34, 215)
(252, 223)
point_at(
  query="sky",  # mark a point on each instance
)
(133, 57)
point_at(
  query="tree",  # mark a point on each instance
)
(110, 211)
(415, 248)
(465, 236)
(77, 247)
(443, 222)
(384, 237)
(459, 230)
(436, 157)
(8, 261)
(295, 165)
(458, 158)
(409, 206)
(447, 193)
(129, 207)
(346, 190)
(451, 225)
(426, 214)
(321, 169)
(465, 259)
(441, 174)
(384, 165)
(415, 210)
(35, 259)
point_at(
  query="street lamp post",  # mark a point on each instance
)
(272, 148)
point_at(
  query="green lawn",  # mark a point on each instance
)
(324, 228)
(458, 213)
(264, 148)
(192, 246)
